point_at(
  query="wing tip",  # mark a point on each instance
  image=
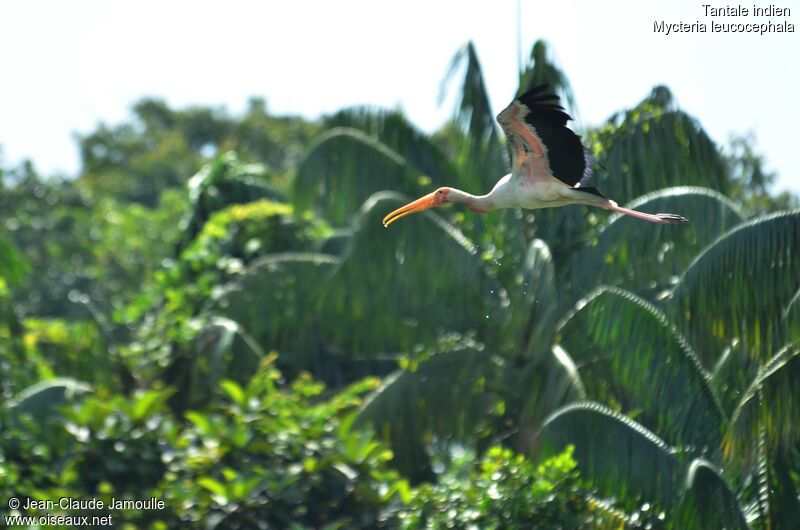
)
(545, 102)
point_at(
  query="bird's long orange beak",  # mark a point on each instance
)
(423, 203)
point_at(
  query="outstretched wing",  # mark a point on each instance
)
(543, 146)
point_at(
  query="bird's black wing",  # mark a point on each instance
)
(536, 126)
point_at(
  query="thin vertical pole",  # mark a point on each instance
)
(519, 37)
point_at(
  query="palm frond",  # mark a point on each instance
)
(392, 129)
(619, 456)
(732, 373)
(222, 349)
(277, 302)
(42, 400)
(337, 243)
(354, 165)
(790, 321)
(565, 232)
(539, 389)
(482, 151)
(444, 398)
(543, 70)
(654, 146)
(708, 501)
(782, 491)
(645, 257)
(534, 303)
(770, 407)
(645, 365)
(738, 288)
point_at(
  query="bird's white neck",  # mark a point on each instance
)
(501, 196)
(480, 203)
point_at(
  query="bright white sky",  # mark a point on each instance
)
(69, 65)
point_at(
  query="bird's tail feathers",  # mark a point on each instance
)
(593, 191)
(588, 171)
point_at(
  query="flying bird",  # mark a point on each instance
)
(550, 167)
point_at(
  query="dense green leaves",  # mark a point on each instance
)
(223, 182)
(507, 491)
(12, 265)
(270, 453)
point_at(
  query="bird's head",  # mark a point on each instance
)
(431, 200)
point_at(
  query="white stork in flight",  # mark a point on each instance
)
(550, 167)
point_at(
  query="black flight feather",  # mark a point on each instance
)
(548, 119)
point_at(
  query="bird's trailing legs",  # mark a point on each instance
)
(661, 218)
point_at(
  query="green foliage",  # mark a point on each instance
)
(163, 147)
(621, 457)
(480, 151)
(769, 410)
(648, 258)
(751, 181)
(158, 329)
(654, 146)
(118, 443)
(404, 408)
(230, 240)
(354, 166)
(240, 233)
(12, 266)
(709, 501)
(224, 182)
(88, 258)
(507, 491)
(542, 70)
(277, 300)
(405, 308)
(274, 455)
(616, 337)
(393, 130)
(760, 258)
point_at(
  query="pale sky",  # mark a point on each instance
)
(69, 65)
